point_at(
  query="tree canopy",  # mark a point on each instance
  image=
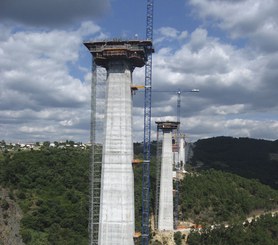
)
(262, 231)
(249, 158)
(212, 196)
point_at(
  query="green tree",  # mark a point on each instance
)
(178, 238)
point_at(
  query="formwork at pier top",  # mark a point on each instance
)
(170, 125)
(135, 51)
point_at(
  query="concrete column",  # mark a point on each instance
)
(182, 154)
(165, 217)
(116, 222)
(176, 160)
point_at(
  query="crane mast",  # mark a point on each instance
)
(147, 129)
(178, 105)
(177, 142)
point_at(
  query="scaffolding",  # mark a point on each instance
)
(147, 129)
(98, 88)
(158, 172)
(176, 202)
(176, 167)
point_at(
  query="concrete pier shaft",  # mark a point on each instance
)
(166, 208)
(182, 154)
(116, 209)
(116, 224)
(166, 205)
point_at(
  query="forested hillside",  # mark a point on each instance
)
(52, 186)
(249, 158)
(263, 231)
(216, 197)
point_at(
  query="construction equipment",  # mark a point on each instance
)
(147, 129)
(176, 146)
(96, 139)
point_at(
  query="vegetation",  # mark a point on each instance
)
(214, 197)
(178, 238)
(249, 158)
(138, 172)
(51, 186)
(52, 189)
(263, 231)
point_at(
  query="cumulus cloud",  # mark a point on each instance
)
(205, 127)
(170, 34)
(45, 73)
(39, 92)
(51, 12)
(255, 20)
(235, 83)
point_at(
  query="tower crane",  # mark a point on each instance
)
(147, 129)
(178, 92)
(176, 199)
(176, 204)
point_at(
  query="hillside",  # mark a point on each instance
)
(10, 215)
(249, 158)
(215, 197)
(51, 187)
(263, 231)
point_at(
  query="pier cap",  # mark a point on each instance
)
(167, 125)
(135, 51)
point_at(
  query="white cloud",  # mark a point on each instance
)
(37, 87)
(202, 56)
(233, 82)
(198, 39)
(255, 20)
(224, 109)
(169, 34)
(231, 57)
(205, 127)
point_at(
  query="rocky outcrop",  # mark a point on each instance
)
(10, 216)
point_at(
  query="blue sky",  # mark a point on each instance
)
(226, 48)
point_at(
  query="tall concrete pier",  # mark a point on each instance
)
(182, 154)
(166, 206)
(116, 214)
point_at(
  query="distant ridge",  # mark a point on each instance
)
(247, 157)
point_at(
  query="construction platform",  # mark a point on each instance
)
(170, 125)
(135, 51)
